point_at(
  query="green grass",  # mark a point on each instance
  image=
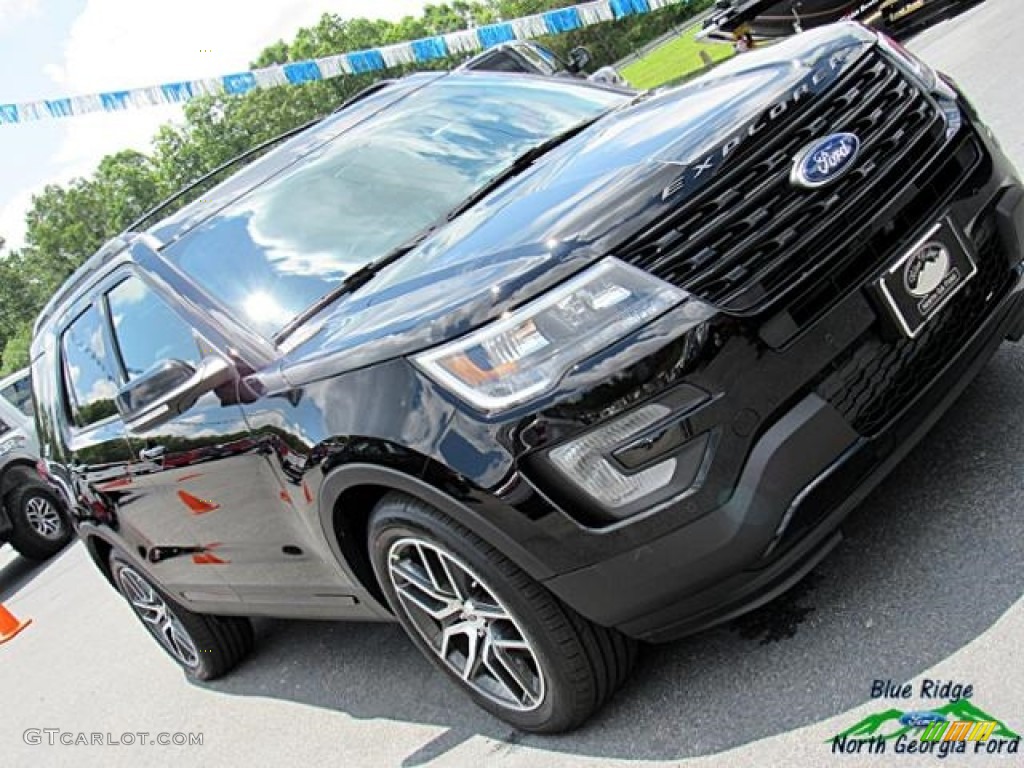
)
(678, 57)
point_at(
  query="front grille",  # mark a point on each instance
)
(750, 237)
(876, 379)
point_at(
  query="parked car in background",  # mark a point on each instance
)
(537, 368)
(529, 57)
(781, 18)
(16, 389)
(32, 517)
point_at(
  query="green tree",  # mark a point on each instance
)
(67, 224)
(15, 353)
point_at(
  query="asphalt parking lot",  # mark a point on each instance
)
(928, 584)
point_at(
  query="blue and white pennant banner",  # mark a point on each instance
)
(295, 73)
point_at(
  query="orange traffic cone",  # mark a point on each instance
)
(10, 626)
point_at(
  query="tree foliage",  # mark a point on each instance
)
(66, 224)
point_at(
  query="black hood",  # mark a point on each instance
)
(574, 206)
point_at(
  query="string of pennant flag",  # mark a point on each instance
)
(554, 22)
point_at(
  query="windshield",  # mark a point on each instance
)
(542, 59)
(289, 242)
(18, 393)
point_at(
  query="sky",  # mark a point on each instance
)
(55, 48)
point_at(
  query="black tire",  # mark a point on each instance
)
(30, 535)
(219, 643)
(579, 665)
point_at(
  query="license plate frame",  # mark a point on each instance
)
(904, 287)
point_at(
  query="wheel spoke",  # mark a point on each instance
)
(43, 517)
(150, 613)
(466, 625)
(425, 561)
(511, 676)
(421, 592)
(154, 611)
(490, 612)
(151, 609)
(472, 661)
(147, 604)
(461, 593)
(511, 645)
(434, 611)
(452, 633)
(180, 643)
(410, 573)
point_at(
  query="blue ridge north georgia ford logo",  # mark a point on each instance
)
(824, 160)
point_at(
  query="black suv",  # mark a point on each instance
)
(536, 367)
(780, 18)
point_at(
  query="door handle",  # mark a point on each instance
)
(152, 454)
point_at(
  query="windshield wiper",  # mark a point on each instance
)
(520, 164)
(354, 281)
(368, 271)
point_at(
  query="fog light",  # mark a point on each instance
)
(584, 462)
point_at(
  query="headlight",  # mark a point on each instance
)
(17, 441)
(527, 352)
(928, 79)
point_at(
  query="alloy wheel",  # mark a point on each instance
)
(158, 617)
(469, 629)
(44, 518)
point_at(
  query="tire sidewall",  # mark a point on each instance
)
(389, 527)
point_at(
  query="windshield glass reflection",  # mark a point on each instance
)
(371, 189)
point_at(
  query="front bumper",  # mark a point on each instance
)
(723, 565)
(806, 471)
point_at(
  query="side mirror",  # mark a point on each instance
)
(579, 59)
(168, 388)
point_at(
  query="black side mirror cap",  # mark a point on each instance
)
(168, 389)
(579, 59)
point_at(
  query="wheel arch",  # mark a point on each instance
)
(8, 482)
(14, 460)
(349, 494)
(99, 550)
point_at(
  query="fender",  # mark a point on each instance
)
(15, 457)
(351, 475)
(90, 533)
(11, 458)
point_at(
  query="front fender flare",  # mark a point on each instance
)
(15, 457)
(349, 476)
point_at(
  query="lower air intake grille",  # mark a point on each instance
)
(871, 384)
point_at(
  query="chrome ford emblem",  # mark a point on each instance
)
(926, 269)
(824, 160)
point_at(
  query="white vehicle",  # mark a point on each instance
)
(535, 59)
(32, 518)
